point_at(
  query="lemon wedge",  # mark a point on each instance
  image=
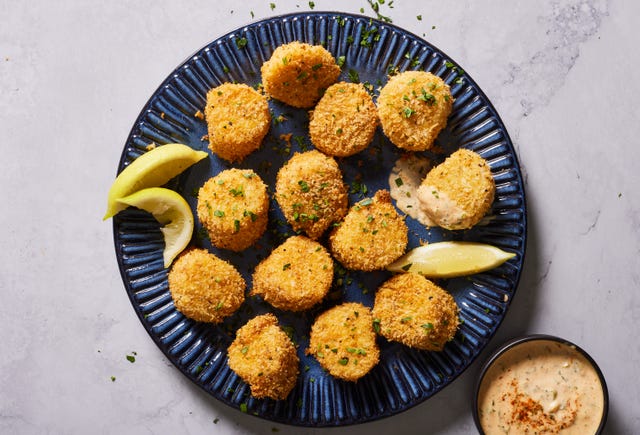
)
(173, 213)
(151, 169)
(450, 259)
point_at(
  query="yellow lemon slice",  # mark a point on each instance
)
(173, 213)
(450, 259)
(151, 169)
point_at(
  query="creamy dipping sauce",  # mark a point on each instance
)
(541, 387)
(404, 181)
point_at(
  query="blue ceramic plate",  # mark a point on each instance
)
(404, 377)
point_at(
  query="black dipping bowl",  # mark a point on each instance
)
(511, 344)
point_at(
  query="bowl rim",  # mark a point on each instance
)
(514, 342)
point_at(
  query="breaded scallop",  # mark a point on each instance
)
(414, 311)
(204, 287)
(311, 192)
(298, 74)
(265, 358)
(238, 118)
(296, 276)
(413, 108)
(233, 206)
(344, 342)
(372, 235)
(457, 193)
(344, 120)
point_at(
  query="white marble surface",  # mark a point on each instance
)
(73, 77)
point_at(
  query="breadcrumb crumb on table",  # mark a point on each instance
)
(298, 73)
(204, 287)
(343, 341)
(416, 312)
(264, 357)
(371, 236)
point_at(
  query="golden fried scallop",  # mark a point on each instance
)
(296, 276)
(238, 119)
(371, 236)
(413, 108)
(457, 193)
(233, 206)
(344, 342)
(311, 192)
(414, 311)
(265, 358)
(344, 120)
(298, 73)
(204, 287)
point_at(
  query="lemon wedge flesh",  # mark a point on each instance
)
(450, 259)
(173, 213)
(152, 169)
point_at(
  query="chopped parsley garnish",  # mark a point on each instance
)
(238, 191)
(272, 6)
(218, 213)
(376, 325)
(286, 266)
(244, 350)
(399, 182)
(428, 98)
(312, 5)
(407, 112)
(316, 67)
(243, 406)
(131, 358)
(236, 225)
(343, 361)
(406, 319)
(354, 76)
(366, 202)
(427, 326)
(340, 61)
(419, 17)
(304, 186)
(241, 42)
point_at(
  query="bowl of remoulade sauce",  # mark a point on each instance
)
(540, 384)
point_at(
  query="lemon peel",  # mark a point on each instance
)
(152, 169)
(173, 213)
(451, 259)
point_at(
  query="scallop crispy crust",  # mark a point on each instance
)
(238, 119)
(371, 236)
(344, 342)
(344, 120)
(298, 74)
(413, 108)
(416, 312)
(465, 177)
(265, 358)
(296, 276)
(311, 192)
(204, 287)
(233, 206)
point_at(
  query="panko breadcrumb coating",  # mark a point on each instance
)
(204, 287)
(298, 73)
(296, 276)
(311, 192)
(344, 342)
(457, 193)
(371, 236)
(233, 206)
(238, 118)
(414, 311)
(344, 120)
(413, 108)
(265, 358)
